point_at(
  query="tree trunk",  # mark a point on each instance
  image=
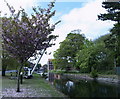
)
(18, 82)
(3, 72)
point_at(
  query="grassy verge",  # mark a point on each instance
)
(35, 87)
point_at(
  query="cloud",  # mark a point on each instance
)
(84, 18)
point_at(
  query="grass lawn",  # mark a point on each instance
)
(35, 87)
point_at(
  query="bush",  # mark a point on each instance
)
(73, 71)
(108, 72)
(94, 74)
(58, 71)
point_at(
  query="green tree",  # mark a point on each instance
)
(113, 43)
(68, 49)
(83, 55)
(98, 57)
(113, 40)
(60, 63)
(108, 60)
(113, 9)
(95, 55)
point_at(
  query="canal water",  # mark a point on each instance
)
(73, 87)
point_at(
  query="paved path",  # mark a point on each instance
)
(36, 87)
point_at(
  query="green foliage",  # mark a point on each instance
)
(65, 55)
(26, 64)
(108, 72)
(58, 71)
(113, 41)
(73, 71)
(8, 62)
(59, 63)
(83, 56)
(113, 9)
(94, 74)
(94, 54)
(101, 54)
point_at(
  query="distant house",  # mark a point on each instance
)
(50, 65)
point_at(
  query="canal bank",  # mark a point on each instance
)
(82, 85)
(113, 79)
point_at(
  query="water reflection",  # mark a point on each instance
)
(83, 88)
(69, 85)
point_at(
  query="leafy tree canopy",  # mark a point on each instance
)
(113, 41)
(113, 9)
(69, 47)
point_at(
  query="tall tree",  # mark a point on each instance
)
(95, 55)
(69, 47)
(113, 9)
(113, 41)
(83, 56)
(25, 36)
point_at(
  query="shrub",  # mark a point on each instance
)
(58, 71)
(94, 74)
(73, 71)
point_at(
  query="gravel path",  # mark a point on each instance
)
(25, 93)
(28, 93)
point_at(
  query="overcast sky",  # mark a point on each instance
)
(74, 14)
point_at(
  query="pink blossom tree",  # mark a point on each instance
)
(27, 36)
